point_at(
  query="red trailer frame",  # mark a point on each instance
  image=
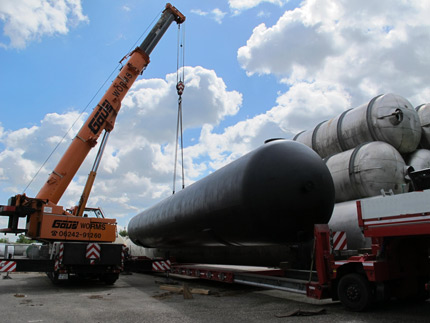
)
(398, 263)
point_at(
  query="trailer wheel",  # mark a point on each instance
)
(110, 279)
(354, 292)
(422, 294)
(53, 276)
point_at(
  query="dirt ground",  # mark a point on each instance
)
(30, 297)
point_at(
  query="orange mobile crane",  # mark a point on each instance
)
(77, 244)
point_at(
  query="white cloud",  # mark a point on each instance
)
(235, 141)
(279, 48)
(218, 15)
(215, 14)
(342, 53)
(199, 12)
(153, 104)
(29, 20)
(306, 104)
(263, 14)
(26, 149)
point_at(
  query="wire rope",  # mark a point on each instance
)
(180, 79)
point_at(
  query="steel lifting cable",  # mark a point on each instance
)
(180, 86)
(88, 104)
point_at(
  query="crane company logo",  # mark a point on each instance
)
(62, 224)
(94, 225)
(121, 86)
(100, 117)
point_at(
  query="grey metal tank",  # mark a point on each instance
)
(389, 118)
(272, 195)
(344, 218)
(419, 159)
(367, 169)
(423, 111)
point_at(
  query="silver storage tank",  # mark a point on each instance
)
(344, 218)
(424, 115)
(389, 118)
(367, 169)
(419, 159)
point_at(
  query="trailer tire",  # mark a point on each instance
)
(53, 276)
(422, 294)
(110, 279)
(354, 292)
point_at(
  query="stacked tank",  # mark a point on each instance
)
(370, 148)
(369, 151)
(420, 158)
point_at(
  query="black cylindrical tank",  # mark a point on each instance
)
(272, 195)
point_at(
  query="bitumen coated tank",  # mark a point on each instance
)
(419, 159)
(344, 218)
(389, 118)
(423, 111)
(366, 170)
(272, 195)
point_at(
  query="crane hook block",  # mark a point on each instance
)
(180, 87)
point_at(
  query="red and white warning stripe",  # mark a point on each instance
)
(61, 252)
(59, 259)
(93, 252)
(161, 265)
(339, 240)
(123, 256)
(7, 266)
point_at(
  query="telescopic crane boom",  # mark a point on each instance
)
(43, 214)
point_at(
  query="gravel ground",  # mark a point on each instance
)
(30, 297)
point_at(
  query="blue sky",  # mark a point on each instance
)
(255, 69)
